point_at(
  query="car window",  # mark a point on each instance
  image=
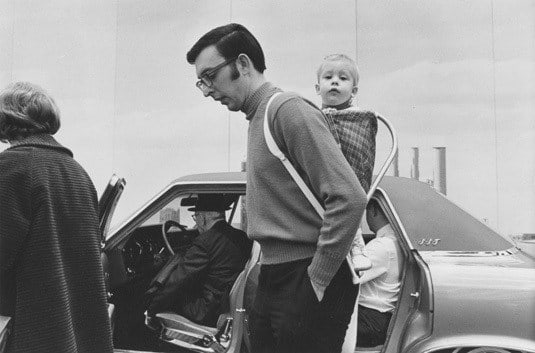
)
(172, 211)
(434, 223)
(177, 210)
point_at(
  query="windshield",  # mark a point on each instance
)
(434, 223)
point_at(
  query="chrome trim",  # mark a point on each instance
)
(446, 253)
(455, 348)
(388, 161)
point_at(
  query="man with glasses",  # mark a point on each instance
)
(305, 295)
(198, 286)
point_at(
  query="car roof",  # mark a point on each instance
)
(223, 177)
(428, 215)
(424, 213)
(388, 183)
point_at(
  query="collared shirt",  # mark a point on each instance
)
(380, 285)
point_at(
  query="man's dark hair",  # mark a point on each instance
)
(230, 41)
(26, 109)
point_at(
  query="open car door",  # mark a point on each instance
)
(106, 207)
(108, 202)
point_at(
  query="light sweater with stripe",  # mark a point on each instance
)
(279, 215)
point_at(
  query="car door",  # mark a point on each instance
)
(108, 202)
(106, 206)
(413, 318)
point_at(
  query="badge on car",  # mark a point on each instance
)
(428, 241)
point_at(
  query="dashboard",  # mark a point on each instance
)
(145, 251)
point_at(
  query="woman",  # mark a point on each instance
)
(51, 280)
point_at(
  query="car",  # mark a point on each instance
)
(465, 288)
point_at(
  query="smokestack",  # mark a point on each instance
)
(394, 167)
(415, 167)
(439, 173)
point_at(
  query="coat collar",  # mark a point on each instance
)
(219, 225)
(40, 140)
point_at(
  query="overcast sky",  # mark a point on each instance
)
(458, 74)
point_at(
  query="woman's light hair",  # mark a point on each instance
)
(26, 109)
(351, 66)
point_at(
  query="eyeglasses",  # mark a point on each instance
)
(207, 79)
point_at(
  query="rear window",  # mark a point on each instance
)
(434, 223)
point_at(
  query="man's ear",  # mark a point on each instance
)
(244, 64)
(317, 87)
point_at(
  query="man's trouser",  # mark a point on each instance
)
(286, 314)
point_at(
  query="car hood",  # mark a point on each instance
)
(487, 295)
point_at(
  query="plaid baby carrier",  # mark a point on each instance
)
(355, 130)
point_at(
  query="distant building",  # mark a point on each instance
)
(169, 214)
(525, 237)
(528, 236)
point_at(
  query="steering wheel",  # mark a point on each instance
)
(165, 228)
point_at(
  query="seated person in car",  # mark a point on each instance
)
(198, 286)
(379, 286)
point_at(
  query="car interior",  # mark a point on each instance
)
(138, 259)
(140, 256)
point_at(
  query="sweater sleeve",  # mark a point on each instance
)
(301, 131)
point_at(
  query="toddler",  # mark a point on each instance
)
(353, 129)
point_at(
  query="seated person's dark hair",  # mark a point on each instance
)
(373, 205)
(230, 41)
(26, 109)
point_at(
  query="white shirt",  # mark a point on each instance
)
(380, 285)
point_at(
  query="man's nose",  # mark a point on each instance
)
(206, 91)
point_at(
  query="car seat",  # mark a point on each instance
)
(376, 349)
(227, 335)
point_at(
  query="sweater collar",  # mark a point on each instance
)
(40, 140)
(251, 104)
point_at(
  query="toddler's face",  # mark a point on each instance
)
(336, 84)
